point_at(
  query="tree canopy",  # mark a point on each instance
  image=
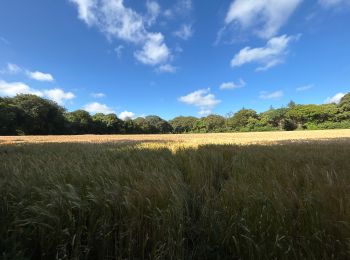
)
(33, 115)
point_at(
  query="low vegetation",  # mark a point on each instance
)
(172, 200)
(32, 115)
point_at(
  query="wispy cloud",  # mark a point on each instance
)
(232, 85)
(334, 3)
(4, 40)
(166, 68)
(268, 56)
(304, 88)
(119, 50)
(185, 32)
(263, 17)
(98, 95)
(11, 68)
(202, 99)
(271, 95)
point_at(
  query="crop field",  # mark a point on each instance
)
(273, 195)
(211, 138)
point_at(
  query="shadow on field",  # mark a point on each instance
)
(126, 201)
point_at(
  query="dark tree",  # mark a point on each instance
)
(80, 122)
(39, 115)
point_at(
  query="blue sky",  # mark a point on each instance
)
(177, 57)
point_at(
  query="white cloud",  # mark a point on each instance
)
(202, 99)
(334, 3)
(154, 51)
(98, 95)
(11, 89)
(11, 69)
(153, 10)
(180, 8)
(304, 88)
(271, 95)
(58, 95)
(335, 99)
(166, 68)
(268, 56)
(233, 85)
(185, 32)
(119, 50)
(96, 107)
(126, 115)
(40, 76)
(265, 16)
(119, 22)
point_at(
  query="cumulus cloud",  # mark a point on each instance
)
(11, 69)
(96, 107)
(58, 95)
(98, 95)
(126, 115)
(272, 54)
(11, 89)
(185, 32)
(40, 76)
(335, 99)
(202, 99)
(154, 51)
(304, 88)
(117, 21)
(334, 3)
(166, 68)
(266, 17)
(232, 85)
(271, 95)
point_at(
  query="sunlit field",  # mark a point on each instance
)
(273, 195)
(214, 138)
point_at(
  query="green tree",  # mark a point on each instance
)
(344, 103)
(214, 123)
(10, 117)
(302, 114)
(39, 115)
(158, 125)
(80, 122)
(273, 117)
(107, 124)
(241, 119)
(183, 124)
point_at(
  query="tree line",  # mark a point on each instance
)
(32, 115)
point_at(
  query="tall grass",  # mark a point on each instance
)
(108, 201)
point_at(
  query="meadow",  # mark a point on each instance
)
(273, 195)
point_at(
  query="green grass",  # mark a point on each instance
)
(108, 201)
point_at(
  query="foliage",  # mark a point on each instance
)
(183, 124)
(33, 115)
(241, 119)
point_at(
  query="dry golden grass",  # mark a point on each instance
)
(176, 196)
(212, 138)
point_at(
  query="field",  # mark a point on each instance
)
(274, 195)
